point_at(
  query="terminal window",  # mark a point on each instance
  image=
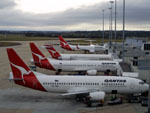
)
(146, 46)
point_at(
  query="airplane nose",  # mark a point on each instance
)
(146, 87)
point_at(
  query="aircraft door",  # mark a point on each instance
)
(114, 91)
(141, 86)
(132, 86)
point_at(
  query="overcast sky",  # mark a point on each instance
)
(70, 14)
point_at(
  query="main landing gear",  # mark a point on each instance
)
(58, 72)
(86, 99)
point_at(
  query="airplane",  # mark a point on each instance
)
(66, 45)
(56, 55)
(91, 67)
(89, 88)
(90, 48)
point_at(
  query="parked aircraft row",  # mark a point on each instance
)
(90, 48)
(88, 88)
(91, 67)
(56, 55)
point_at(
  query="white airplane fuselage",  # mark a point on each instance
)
(92, 48)
(89, 66)
(83, 65)
(95, 48)
(107, 84)
(94, 86)
(85, 57)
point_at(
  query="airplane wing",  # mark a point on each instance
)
(81, 69)
(85, 49)
(84, 69)
(78, 90)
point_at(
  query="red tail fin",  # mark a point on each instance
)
(19, 68)
(37, 54)
(61, 39)
(39, 59)
(55, 54)
(64, 44)
(22, 75)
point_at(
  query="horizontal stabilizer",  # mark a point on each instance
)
(12, 78)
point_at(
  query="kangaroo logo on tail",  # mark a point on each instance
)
(64, 44)
(53, 51)
(22, 70)
(39, 57)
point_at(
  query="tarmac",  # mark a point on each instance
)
(18, 99)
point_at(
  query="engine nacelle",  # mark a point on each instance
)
(65, 58)
(106, 46)
(60, 58)
(92, 51)
(97, 96)
(92, 72)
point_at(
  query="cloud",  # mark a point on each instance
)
(137, 14)
(136, 11)
(83, 18)
(7, 4)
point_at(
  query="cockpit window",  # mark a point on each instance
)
(141, 82)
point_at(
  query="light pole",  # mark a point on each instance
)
(115, 22)
(149, 95)
(109, 28)
(111, 17)
(123, 32)
(103, 25)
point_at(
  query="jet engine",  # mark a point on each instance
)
(60, 58)
(64, 58)
(92, 72)
(92, 51)
(97, 96)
